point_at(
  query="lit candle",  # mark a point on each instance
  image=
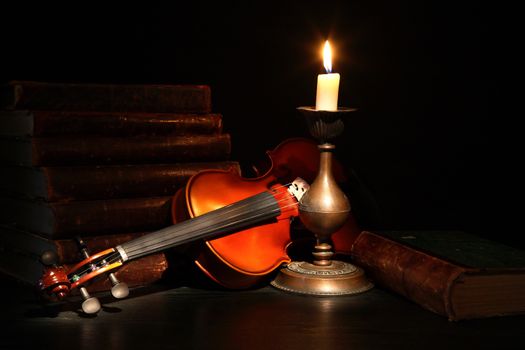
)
(327, 84)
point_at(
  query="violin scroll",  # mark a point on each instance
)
(57, 282)
(54, 282)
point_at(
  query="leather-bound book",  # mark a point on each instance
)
(451, 273)
(67, 250)
(105, 97)
(102, 182)
(56, 123)
(68, 219)
(99, 150)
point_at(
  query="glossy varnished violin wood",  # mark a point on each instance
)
(246, 258)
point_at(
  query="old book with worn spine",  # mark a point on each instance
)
(451, 273)
(56, 123)
(67, 250)
(105, 97)
(102, 182)
(68, 219)
(99, 150)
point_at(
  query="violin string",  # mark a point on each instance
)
(203, 226)
(194, 235)
(152, 244)
(226, 212)
(194, 227)
(274, 189)
(205, 232)
(108, 260)
(114, 257)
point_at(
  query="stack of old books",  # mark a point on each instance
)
(100, 162)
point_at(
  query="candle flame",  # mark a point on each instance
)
(327, 57)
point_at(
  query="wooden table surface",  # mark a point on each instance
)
(166, 317)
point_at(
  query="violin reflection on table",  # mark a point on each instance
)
(240, 228)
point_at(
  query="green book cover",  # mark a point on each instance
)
(461, 248)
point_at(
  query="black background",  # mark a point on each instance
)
(413, 69)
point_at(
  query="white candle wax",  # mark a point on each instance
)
(327, 92)
(327, 84)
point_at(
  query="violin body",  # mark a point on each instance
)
(245, 258)
(296, 156)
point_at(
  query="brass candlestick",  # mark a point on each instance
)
(323, 210)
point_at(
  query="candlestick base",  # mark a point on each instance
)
(339, 278)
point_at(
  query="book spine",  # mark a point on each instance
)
(67, 250)
(105, 216)
(114, 150)
(103, 182)
(68, 219)
(56, 123)
(67, 123)
(424, 279)
(108, 98)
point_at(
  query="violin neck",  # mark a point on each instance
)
(250, 211)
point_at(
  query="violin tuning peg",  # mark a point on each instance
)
(91, 305)
(49, 258)
(120, 289)
(80, 242)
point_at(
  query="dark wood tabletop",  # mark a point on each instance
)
(167, 317)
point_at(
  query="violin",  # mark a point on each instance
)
(251, 216)
(240, 227)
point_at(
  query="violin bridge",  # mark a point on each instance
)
(298, 188)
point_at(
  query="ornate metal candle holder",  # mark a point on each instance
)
(323, 210)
